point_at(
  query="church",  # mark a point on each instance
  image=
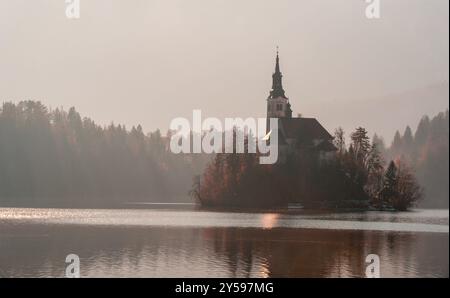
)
(296, 133)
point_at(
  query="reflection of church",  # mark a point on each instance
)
(295, 133)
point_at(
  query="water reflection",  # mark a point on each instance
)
(269, 220)
(40, 250)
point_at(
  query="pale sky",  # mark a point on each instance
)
(147, 62)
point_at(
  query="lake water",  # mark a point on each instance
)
(179, 241)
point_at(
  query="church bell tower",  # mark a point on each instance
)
(278, 105)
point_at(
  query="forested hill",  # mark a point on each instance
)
(427, 150)
(56, 157)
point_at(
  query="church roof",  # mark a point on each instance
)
(303, 129)
(326, 146)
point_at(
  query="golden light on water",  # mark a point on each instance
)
(269, 220)
(265, 271)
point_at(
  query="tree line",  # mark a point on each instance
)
(427, 152)
(56, 157)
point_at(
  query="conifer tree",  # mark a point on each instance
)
(389, 191)
(361, 145)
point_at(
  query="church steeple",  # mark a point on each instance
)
(277, 78)
(278, 105)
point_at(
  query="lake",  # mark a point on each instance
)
(180, 241)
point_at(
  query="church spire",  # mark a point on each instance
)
(277, 66)
(277, 84)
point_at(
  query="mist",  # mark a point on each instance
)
(147, 62)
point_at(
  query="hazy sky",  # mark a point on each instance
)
(146, 62)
